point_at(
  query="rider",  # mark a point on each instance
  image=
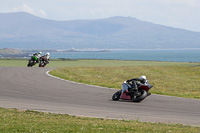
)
(37, 56)
(47, 57)
(143, 81)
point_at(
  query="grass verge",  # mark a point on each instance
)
(13, 120)
(181, 81)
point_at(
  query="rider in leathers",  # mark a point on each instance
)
(37, 56)
(46, 57)
(135, 85)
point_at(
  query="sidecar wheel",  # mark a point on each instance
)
(140, 97)
(116, 96)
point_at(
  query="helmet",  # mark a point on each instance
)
(48, 53)
(143, 77)
(39, 52)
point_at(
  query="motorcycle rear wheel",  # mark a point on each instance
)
(140, 97)
(116, 96)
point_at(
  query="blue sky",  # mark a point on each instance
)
(183, 14)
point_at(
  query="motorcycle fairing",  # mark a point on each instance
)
(124, 96)
(145, 87)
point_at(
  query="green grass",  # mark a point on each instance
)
(13, 120)
(181, 81)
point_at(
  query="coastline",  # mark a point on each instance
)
(165, 55)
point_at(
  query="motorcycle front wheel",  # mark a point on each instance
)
(29, 65)
(142, 96)
(116, 96)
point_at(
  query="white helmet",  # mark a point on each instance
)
(48, 53)
(143, 77)
(39, 52)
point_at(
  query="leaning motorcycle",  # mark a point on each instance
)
(43, 62)
(136, 95)
(32, 61)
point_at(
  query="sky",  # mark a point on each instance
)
(184, 14)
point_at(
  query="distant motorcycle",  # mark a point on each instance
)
(31, 62)
(43, 62)
(136, 95)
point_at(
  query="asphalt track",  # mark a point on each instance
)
(31, 88)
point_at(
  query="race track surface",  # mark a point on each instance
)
(32, 89)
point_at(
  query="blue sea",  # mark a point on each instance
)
(150, 55)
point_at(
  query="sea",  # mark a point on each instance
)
(191, 55)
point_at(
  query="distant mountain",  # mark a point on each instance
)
(10, 51)
(25, 31)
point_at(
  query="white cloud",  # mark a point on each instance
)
(23, 8)
(28, 9)
(42, 12)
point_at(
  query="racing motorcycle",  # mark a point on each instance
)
(31, 62)
(128, 93)
(43, 62)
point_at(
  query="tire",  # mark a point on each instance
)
(116, 96)
(140, 97)
(29, 65)
(41, 64)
